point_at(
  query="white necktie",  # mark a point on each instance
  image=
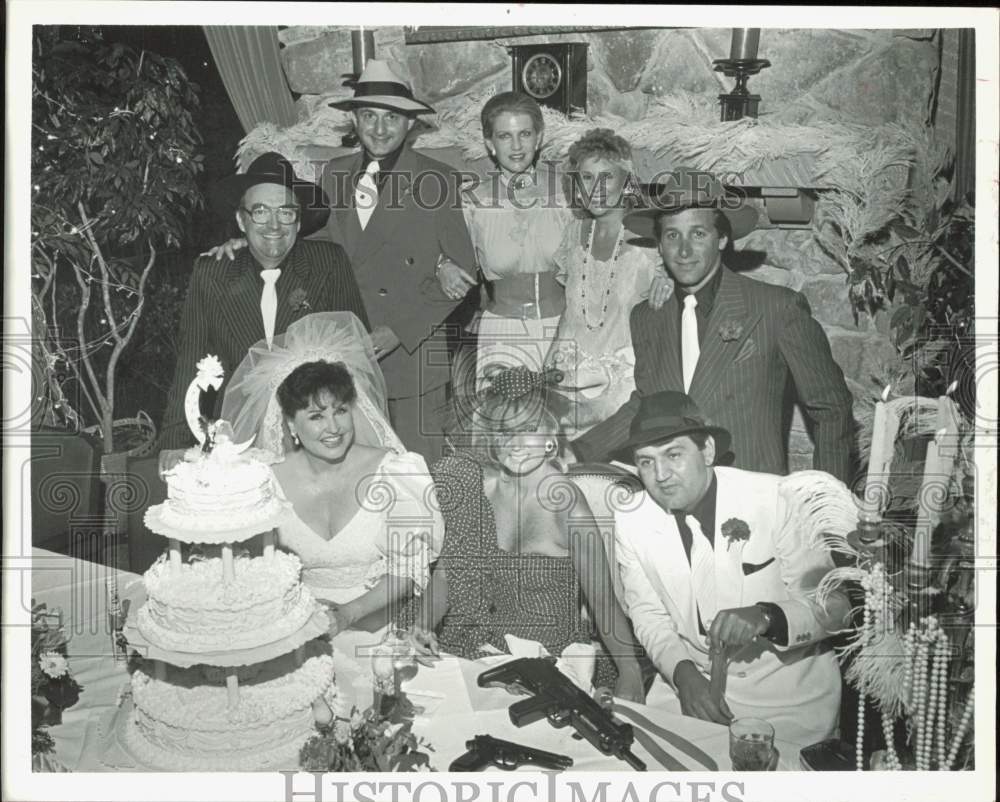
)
(689, 340)
(702, 572)
(269, 302)
(366, 194)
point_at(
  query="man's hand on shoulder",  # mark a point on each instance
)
(455, 282)
(228, 249)
(694, 693)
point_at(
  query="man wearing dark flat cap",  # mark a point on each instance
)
(717, 566)
(734, 344)
(277, 279)
(398, 215)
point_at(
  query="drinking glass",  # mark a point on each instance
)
(751, 744)
(393, 661)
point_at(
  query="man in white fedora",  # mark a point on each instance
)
(398, 215)
(724, 560)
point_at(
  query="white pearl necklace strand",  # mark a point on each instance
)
(611, 278)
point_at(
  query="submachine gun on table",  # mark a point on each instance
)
(555, 697)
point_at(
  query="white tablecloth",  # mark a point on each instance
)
(456, 709)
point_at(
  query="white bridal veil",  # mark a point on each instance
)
(251, 403)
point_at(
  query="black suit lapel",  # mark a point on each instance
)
(240, 307)
(716, 352)
(346, 215)
(655, 336)
(393, 199)
(669, 324)
(294, 278)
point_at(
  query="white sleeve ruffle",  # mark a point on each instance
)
(411, 522)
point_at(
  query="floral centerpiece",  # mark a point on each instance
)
(53, 688)
(379, 739)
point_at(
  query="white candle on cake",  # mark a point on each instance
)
(175, 555)
(232, 688)
(269, 545)
(228, 572)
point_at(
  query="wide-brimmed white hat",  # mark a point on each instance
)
(379, 86)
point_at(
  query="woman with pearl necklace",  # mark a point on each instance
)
(605, 276)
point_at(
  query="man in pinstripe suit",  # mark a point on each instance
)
(733, 345)
(276, 280)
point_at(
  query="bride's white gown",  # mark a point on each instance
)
(396, 531)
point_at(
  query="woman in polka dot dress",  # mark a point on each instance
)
(522, 554)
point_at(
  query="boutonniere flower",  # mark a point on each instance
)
(735, 530)
(731, 330)
(299, 300)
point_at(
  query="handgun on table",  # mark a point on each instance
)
(485, 750)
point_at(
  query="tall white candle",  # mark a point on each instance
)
(947, 426)
(879, 459)
(744, 43)
(933, 491)
(269, 545)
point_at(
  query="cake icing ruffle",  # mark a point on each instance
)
(193, 610)
(184, 723)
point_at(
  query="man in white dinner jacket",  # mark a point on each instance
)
(710, 560)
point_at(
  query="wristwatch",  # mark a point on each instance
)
(768, 618)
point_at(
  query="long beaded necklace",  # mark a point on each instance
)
(927, 654)
(611, 278)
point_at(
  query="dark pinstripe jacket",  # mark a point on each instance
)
(418, 218)
(741, 379)
(222, 314)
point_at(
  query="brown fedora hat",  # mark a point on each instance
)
(663, 416)
(380, 87)
(273, 168)
(689, 189)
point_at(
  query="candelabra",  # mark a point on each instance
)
(741, 64)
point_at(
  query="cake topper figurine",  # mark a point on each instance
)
(199, 405)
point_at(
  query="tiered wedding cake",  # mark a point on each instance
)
(233, 677)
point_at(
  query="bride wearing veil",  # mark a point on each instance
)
(364, 520)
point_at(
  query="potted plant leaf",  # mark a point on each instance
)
(114, 167)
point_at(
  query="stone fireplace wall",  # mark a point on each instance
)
(869, 77)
